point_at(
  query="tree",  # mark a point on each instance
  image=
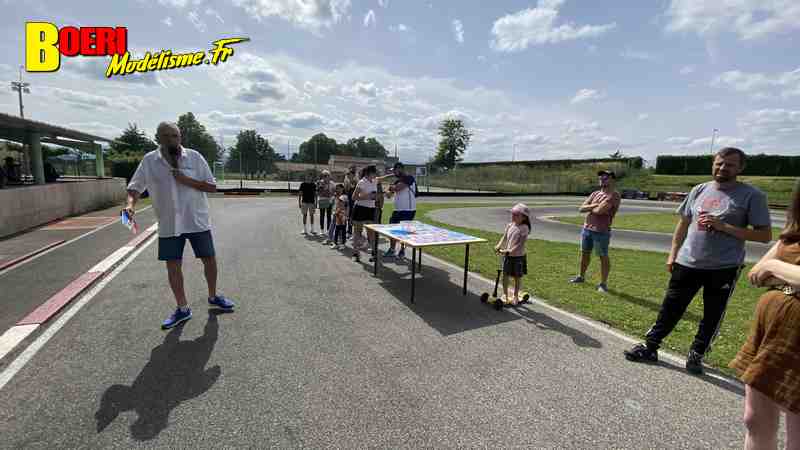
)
(616, 155)
(316, 150)
(133, 143)
(256, 155)
(195, 136)
(454, 142)
(363, 148)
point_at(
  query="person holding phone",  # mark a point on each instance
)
(364, 196)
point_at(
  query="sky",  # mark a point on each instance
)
(546, 79)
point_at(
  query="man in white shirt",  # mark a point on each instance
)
(178, 179)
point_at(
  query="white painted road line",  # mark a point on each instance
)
(17, 364)
(13, 336)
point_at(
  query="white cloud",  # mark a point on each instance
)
(678, 141)
(369, 18)
(638, 55)
(362, 92)
(167, 21)
(537, 26)
(772, 124)
(317, 89)
(533, 140)
(458, 31)
(704, 143)
(194, 18)
(312, 15)
(96, 128)
(95, 69)
(383, 3)
(80, 99)
(399, 27)
(686, 70)
(760, 85)
(252, 79)
(215, 14)
(174, 3)
(643, 116)
(585, 95)
(749, 19)
(707, 106)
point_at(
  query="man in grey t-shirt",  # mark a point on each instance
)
(708, 252)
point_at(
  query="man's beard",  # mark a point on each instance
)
(173, 151)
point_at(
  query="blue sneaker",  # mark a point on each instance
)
(221, 302)
(177, 317)
(388, 253)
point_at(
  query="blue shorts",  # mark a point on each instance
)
(171, 248)
(397, 216)
(595, 240)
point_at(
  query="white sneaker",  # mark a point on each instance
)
(340, 247)
(304, 232)
(333, 246)
(313, 233)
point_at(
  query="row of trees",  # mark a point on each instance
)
(254, 154)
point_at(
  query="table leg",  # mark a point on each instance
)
(375, 251)
(419, 262)
(413, 271)
(466, 269)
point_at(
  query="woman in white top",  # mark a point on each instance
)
(364, 210)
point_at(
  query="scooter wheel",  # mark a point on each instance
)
(498, 304)
(484, 297)
(526, 298)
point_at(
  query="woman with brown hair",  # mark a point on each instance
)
(769, 362)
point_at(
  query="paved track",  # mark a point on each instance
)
(321, 354)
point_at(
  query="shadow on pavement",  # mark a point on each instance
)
(175, 373)
(438, 299)
(545, 322)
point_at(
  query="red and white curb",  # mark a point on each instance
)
(30, 323)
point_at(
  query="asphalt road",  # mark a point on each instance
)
(321, 354)
(496, 219)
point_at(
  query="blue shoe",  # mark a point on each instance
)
(221, 302)
(177, 317)
(388, 253)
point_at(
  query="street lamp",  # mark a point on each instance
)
(20, 87)
(713, 136)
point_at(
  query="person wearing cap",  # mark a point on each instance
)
(601, 207)
(512, 247)
(325, 191)
(708, 251)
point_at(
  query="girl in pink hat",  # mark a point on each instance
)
(512, 245)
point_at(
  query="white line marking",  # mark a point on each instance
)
(111, 260)
(13, 336)
(597, 326)
(32, 258)
(29, 352)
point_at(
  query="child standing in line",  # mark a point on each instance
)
(340, 216)
(512, 245)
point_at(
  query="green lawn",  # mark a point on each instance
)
(655, 222)
(638, 281)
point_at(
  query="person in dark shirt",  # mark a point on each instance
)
(307, 201)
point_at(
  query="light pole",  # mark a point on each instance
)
(713, 135)
(20, 87)
(513, 151)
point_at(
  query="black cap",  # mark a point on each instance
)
(610, 173)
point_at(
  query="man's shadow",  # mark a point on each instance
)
(176, 372)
